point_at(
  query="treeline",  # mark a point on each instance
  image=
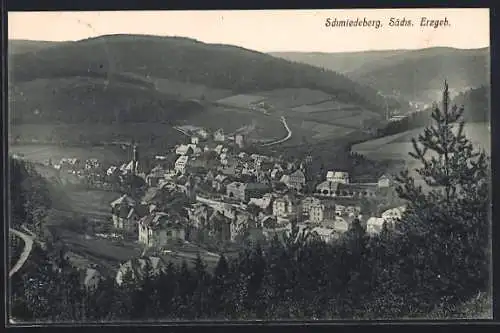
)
(387, 276)
(187, 60)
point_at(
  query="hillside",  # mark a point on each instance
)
(342, 62)
(19, 46)
(184, 60)
(414, 74)
(93, 100)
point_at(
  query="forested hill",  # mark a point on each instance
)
(414, 74)
(186, 60)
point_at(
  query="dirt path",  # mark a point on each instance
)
(286, 138)
(28, 245)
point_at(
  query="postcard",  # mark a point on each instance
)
(239, 165)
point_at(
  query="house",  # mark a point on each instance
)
(124, 212)
(239, 139)
(338, 177)
(219, 135)
(319, 212)
(328, 189)
(202, 133)
(263, 202)
(159, 229)
(385, 181)
(285, 179)
(276, 174)
(245, 191)
(90, 278)
(219, 226)
(339, 210)
(220, 182)
(307, 203)
(297, 180)
(195, 140)
(326, 235)
(394, 214)
(154, 177)
(353, 211)
(374, 225)
(181, 164)
(218, 149)
(189, 149)
(240, 221)
(199, 214)
(286, 206)
(111, 170)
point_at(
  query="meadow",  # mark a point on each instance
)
(397, 146)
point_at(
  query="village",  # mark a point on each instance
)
(225, 193)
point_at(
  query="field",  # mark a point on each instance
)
(231, 120)
(154, 135)
(42, 153)
(324, 107)
(292, 97)
(241, 101)
(397, 146)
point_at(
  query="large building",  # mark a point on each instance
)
(159, 229)
(297, 180)
(319, 212)
(125, 212)
(337, 177)
(245, 191)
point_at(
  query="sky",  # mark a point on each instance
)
(266, 30)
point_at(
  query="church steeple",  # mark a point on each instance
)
(135, 159)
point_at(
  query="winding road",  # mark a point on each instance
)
(28, 245)
(286, 138)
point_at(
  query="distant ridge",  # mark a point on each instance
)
(406, 72)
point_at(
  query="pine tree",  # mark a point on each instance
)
(446, 228)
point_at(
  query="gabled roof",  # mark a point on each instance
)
(124, 199)
(333, 186)
(298, 173)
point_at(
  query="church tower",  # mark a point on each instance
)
(135, 159)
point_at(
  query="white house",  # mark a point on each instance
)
(219, 135)
(285, 206)
(327, 235)
(374, 225)
(263, 202)
(338, 177)
(394, 214)
(384, 181)
(181, 164)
